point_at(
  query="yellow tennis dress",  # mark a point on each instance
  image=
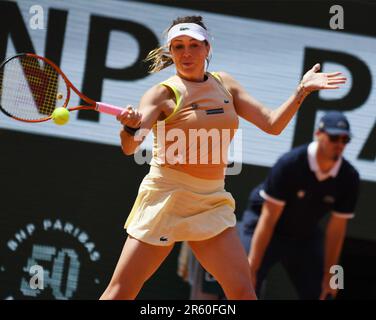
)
(183, 198)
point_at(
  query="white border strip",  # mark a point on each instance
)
(344, 215)
(264, 195)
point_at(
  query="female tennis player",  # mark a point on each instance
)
(183, 197)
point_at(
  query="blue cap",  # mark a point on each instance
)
(335, 123)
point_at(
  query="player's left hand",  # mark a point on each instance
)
(314, 80)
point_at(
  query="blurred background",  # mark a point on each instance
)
(66, 191)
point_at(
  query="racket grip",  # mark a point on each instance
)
(108, 108)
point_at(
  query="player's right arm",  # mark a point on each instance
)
(155, 105)
(270, 214)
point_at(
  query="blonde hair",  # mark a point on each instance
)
(160, 58)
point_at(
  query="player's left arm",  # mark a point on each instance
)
(273, 121)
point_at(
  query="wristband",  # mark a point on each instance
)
(131, 131)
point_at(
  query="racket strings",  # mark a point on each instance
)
(30, 89)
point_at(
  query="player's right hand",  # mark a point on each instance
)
(130, 117)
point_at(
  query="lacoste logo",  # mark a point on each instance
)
(163, 239)
(226, 101)
(183, 28)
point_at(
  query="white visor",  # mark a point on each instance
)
(187, 29)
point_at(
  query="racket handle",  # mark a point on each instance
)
(108, 108)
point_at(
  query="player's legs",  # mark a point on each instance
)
(197, 276)
(224, 257)
(137, 263)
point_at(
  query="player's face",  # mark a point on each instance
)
(332, 146)
(189, 57)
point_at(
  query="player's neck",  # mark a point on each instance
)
(199, 76)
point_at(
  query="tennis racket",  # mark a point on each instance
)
(32, 87)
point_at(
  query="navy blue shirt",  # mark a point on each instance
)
(307, 199)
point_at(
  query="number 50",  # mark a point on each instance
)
(53, 278)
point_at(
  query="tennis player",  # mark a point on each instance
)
(182, 197)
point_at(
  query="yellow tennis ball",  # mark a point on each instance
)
(60, 116)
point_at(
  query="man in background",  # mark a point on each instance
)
(281, 222)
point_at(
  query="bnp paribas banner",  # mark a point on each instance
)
(100, 45)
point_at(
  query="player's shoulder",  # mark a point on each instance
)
(227, 81)
(223, 76)
(156, 99)
(171, 80)
(157, 93)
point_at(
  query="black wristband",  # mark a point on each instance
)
(131, 131)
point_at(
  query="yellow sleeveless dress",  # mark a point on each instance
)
(183, 198)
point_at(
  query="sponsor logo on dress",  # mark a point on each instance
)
(215, 111)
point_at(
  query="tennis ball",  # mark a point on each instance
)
(60, 116)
